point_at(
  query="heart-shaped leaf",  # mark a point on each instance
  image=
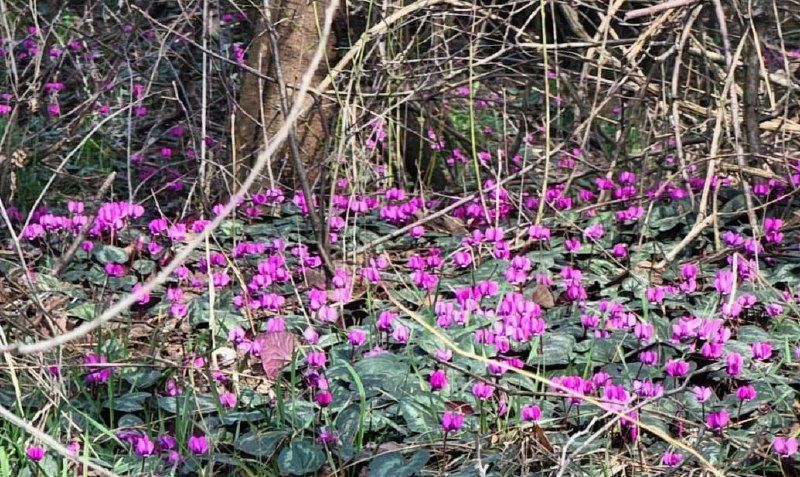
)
(277, 351)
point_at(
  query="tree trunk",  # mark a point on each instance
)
(258, 115)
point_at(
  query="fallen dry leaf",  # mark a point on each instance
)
(277, 352)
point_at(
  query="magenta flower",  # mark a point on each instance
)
(734, 362)
(772, 230)
(482, 391)
(452, 422)
(671, 459)
(761, 350)
(594, 232)
(615, 398)
(143, 446)
(357, 337)
(462, 259)
(648, 358)
(98, 374)
(784, 446)
(746, 393)
(702, 393)
(438, 380)
(530, 413)
(36, 453)
(401, 334)
(718, 420)
(324, 398)
(677, 368)
(327, 314)
(198, 445)
(620, 250)
(723, 282)
(227, 399)
(316, 359)
(114, 270)
(572, 245)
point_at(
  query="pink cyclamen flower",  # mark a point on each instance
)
(746, 393)
(357, 336)
(324, 399)
(677, 368)
(530, 413)
(482, 391)
(620, 250)
(227, 399)
(761, 350)
(438, 380)
(572, 245)
(452, 422)
(723, 282)
(198, 444)
(316, 359)
(97, 374)
(143, 446)
(733, 363)
(784, 446)
(671, 459)
(718, 420)
(36, 453)
(702, 393)
(594, 232)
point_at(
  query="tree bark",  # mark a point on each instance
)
(258, 114)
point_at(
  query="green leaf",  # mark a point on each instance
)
(110, 254)
(203, 403)
(142, 378)
(558, 350)
(301, 457)
(145, 267)
(418, 418)
(299, 413)
(131, 402)
(395, 465)
(85, 311)
(260, 445)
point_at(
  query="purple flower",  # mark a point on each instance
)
(671, 459)
(97, 374)
(746, 393)
(572, 245)
(594, 232)
(324, 398)
(227, 400)
(198, 444)
(401, 334)
(648, 358)
(36, 453)
(733, 363)
(327, 437)
(539, 232)
(723, 282)
(530, 412)
(316, 359)
(761, 351)
(357, 337)
(143, 446)
(438, 380)
(784, 446)
(167, 442)
(677, 368)
(702, 393)
(620, 250)
(718, 420)
(452, 422)
(482, 390)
